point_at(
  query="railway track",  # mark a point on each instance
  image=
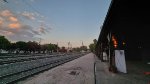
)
(21, 58)
(13, 72)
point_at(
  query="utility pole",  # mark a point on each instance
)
(82, 43)
(68, 44)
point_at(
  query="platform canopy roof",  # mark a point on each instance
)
(129, 19)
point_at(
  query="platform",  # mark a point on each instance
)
(78, 71)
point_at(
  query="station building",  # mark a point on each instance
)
(126, 27)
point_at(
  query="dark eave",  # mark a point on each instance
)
(129, 19)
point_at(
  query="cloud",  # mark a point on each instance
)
(7, 16)
(6, 33)
(42, 30)
(25, 33)
(13, 19)
(28, 15)
(1, 22)
(35, 32)
(14, 25)
(9, 33)
(14, 29)
(6, 13)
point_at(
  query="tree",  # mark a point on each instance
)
(63, 49)
(55, 47)
(50, 47)
(77, 49)
(95, 41)
(4, 43)
(12, 47)
(44, 48)
(21, 46)
(32, 46)
(83, 48)
(93, 45)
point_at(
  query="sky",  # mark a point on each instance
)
(53, 21)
